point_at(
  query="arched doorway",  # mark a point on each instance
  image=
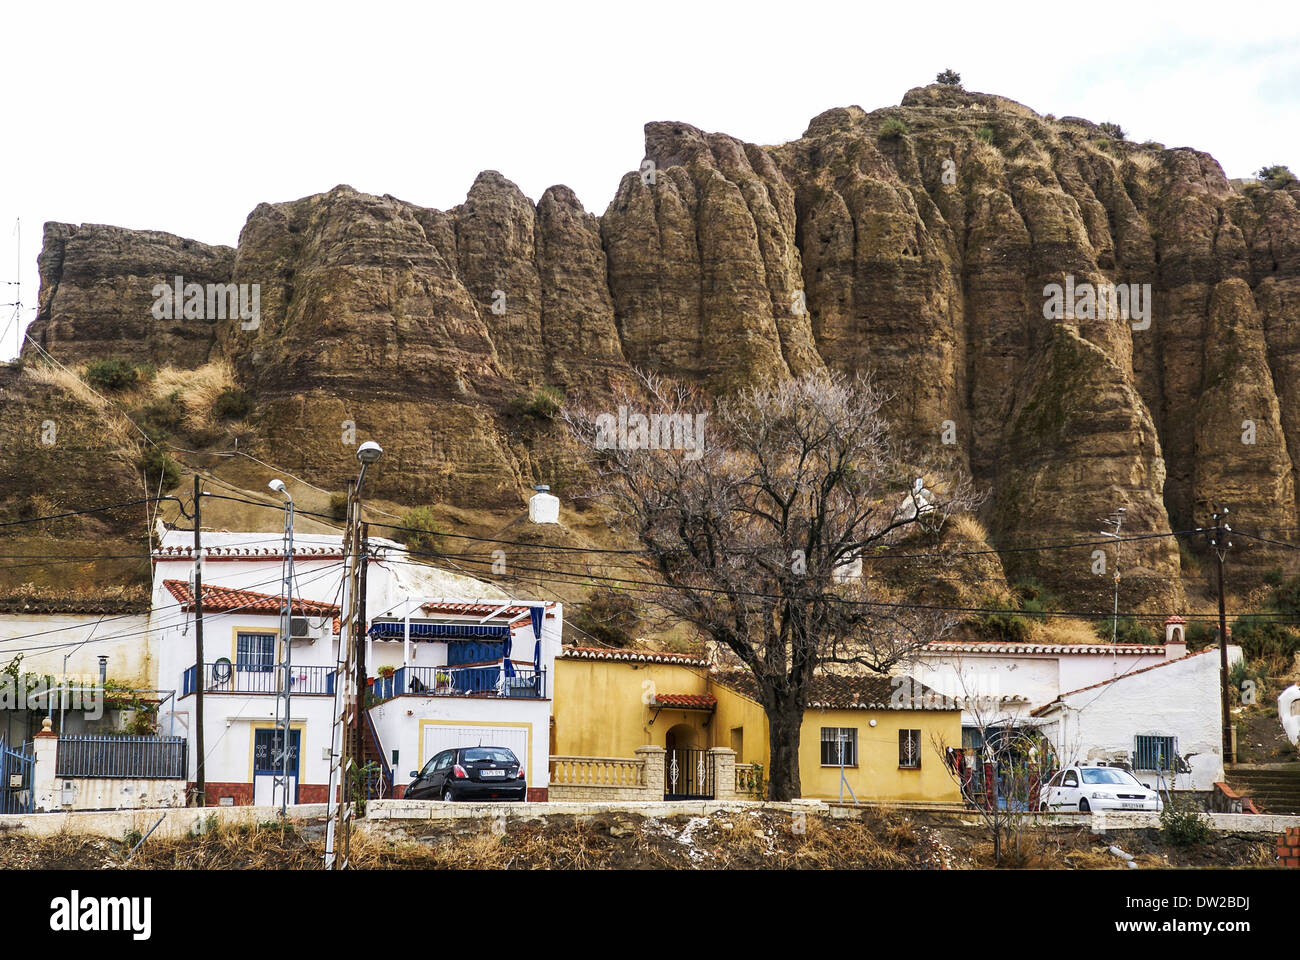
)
(688, 769)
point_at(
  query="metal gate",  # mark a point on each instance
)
(688, 774)
(16, 793)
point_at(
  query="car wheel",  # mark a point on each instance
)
(1083, 805)
(446, 795)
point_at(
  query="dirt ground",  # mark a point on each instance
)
(629, 841)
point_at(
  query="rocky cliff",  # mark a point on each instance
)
(918, 241)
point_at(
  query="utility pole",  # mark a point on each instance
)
(343, 754)
(200, 678)
(1220, 547)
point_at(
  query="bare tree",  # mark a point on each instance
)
(756, 512)
(1002, 771)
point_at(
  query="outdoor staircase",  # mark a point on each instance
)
(1273, 787)
(371, 752)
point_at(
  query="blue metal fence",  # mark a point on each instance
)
(16, 767)
(485, 681)
(134, 758)
(226, 677)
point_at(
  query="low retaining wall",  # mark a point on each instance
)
(177, 822)
(94, 793)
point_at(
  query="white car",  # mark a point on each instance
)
(1085, 788)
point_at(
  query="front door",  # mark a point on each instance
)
(266, 753)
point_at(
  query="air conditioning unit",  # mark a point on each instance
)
(299, 627)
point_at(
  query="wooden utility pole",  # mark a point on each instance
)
(1220, 548)
(200, 779)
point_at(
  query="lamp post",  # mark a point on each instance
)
(283, 723)
(347, 692)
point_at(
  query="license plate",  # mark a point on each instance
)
(1131, 806)
(491, 773)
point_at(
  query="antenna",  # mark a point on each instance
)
(17, 284)
(1115, 520)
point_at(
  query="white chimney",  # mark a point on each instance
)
(542, 507)
(1175, 638)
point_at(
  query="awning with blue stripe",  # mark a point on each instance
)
(390, 630)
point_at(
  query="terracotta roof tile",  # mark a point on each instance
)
(225, 599)
(697, 701)
(632, 656)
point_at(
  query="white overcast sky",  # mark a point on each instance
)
(182, 117)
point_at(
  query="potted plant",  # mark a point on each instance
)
(387, 670)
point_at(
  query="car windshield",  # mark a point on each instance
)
(1109, 775)
(489, 755)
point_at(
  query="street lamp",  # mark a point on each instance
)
(351, 681)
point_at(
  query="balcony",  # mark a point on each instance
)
(476, 681)
(226, 677)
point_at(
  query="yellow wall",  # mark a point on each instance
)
(600, 708)
(878, 776)
(599, 712)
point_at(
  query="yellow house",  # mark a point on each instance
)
(610, 702)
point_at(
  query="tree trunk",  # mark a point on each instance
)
(784, 721)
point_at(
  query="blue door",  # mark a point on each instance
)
(266, 751)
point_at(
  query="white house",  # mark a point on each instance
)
(1094, 701)
(1166, 717)
(451, 659)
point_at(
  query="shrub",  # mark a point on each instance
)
(423, 534)
(112, 375)
(1035, 600)
(339, 506)
(232, 404)
(1127, 630)
(1113, 130)
(159, 469)
(1183, 823)
(543, 403)
(1263, 639)
(985, 134)
(892, 129)
(949, 78)
(1199, 636)
(1277, 175)
(610, 617)
(1003, 627)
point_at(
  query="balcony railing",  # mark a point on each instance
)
(484, 681)
(226, 677)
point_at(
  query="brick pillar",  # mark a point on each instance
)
(45, 786)
(653, 758)
(1288, 848)
(724, 772)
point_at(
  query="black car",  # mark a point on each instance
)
(470, 773)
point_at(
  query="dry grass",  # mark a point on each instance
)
(109, 419)
(1061, 630)
(197, 390)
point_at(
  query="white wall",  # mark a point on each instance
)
(123, 638)
(1180, 700)
(1039, 677)
(406, 723)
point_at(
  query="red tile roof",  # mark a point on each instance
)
(227, 600)
(996, 646)
(690, 701)
(1122, 676)
(632, 656)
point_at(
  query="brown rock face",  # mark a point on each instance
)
(924, 252)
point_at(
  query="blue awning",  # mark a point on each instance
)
(390, 630)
